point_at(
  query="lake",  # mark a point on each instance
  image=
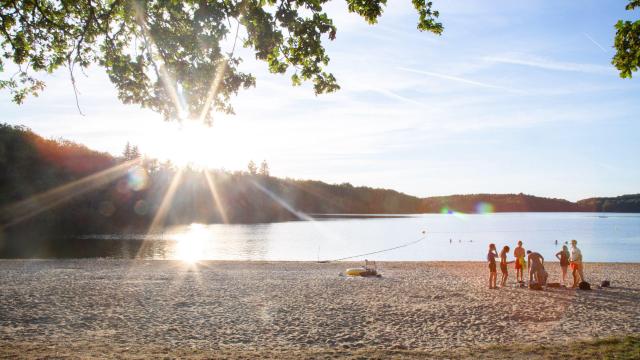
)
(601, 237)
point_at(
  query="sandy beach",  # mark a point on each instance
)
(121, 308)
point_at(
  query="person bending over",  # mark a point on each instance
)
(536, 267)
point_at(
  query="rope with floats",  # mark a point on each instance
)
(424, 232)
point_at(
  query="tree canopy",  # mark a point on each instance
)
(168, 55)
(627, 44)
(178, 57)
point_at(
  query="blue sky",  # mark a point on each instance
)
(513, 97)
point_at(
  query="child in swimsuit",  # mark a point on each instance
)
(503, 265)
(491, 258)
(563, 256)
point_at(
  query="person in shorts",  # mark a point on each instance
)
(521, 263)
(575, 263)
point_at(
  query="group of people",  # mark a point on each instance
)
(535, 264)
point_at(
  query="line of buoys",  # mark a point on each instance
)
(424, 232)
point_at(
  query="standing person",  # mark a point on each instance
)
(503, 265)
(575, 262)
(491, 258)
(563, 256)
(519, 254)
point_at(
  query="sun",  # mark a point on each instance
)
(192, 144)
(228, 143)
(187, 143)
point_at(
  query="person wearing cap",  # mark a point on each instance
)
(575, 263)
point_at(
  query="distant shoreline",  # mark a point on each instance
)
(393, 215)
(361, 216)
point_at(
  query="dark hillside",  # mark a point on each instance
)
(623, 204)
(495, 202)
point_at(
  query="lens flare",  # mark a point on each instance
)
(449, 211)
(484, 208)
(34, 205)
(137, 179)
(158, 219)
(215, 197)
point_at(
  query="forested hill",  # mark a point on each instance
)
(481, 203)
(31, 165)
(624, 203)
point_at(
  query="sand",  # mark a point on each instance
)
(123, 308)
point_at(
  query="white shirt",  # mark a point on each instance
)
(575, 254)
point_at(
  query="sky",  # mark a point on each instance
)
(513, 97)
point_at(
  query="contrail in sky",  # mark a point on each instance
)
(398, 97)
(595, 42)
(551, 64)
(455, 78)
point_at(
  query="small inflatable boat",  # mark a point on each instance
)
(361, 272)
(365, 270)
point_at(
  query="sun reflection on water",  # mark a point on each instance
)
(190, 245)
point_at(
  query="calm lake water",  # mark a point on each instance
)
(602, 237)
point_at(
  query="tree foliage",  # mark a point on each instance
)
(627, 44)
(264, 168)
(252, 168)
(171, 56)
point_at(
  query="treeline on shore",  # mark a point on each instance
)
(478, 203)
(130, 203)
